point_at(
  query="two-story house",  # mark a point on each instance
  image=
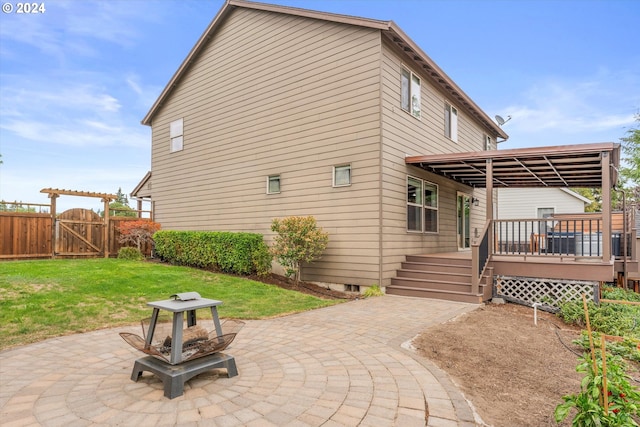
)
(279, 111)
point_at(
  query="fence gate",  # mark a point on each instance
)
(79, 232)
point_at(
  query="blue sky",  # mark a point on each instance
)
(76, 80)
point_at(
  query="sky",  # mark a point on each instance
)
(77, 78)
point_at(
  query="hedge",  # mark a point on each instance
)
(238, 253)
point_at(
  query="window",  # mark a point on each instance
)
(410, 96)
(175, 133)
(488, 143)
(545, 212)
(451, 122)
(422, 206)
(273, 184)
(341, 175)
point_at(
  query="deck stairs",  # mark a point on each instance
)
(439, 276)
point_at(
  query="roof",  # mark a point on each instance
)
(389, 29)
(577, 196)
(558, 166)
(137, 192)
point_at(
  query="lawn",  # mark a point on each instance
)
(43, 299)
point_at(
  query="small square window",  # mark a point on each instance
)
(341, 175)
(176, 135)
(273, 184)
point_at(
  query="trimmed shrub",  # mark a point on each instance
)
(238, 253)
(129, 253)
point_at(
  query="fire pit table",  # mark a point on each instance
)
(186, 352)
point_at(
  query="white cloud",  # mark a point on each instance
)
(71, 28)
(74, 115)
(589, 105)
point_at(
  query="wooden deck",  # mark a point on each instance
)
(447, 275)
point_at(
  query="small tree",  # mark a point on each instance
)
(137, 232)
(298, 240)
(120, 205)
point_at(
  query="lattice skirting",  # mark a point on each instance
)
(549, 293)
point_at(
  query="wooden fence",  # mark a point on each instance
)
(25, 235)
(76, 233)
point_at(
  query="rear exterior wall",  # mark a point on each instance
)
(273, 94)
(404, 135)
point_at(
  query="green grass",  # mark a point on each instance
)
(43, 299)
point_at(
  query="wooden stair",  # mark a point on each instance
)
(439, 277)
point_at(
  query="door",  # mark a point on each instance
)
(464, 224)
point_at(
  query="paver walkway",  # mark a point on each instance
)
(344, 365)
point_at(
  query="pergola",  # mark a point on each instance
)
(106, 198)
(584, 165)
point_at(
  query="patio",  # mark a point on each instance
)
(345, 365)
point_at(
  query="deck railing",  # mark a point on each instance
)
(480, 252)
(575, 237)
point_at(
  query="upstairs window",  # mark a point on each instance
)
(451, 122)
(175, 134)
(488, 143)
(410, 96)
(341, 175)
(273, 184)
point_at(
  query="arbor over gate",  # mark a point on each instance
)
(74, 233)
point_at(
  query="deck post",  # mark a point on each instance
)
(606, 207)
(489, 186)
(475, 269)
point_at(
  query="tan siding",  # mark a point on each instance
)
(404, 135)
(277, 94)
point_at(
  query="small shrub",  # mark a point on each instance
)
(137, 232)
(130, 253)
(609, 318)
(373, 291)
(298, 240)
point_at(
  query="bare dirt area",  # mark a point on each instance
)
(512, 371)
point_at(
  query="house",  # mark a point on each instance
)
(279, 111)
(538, 202)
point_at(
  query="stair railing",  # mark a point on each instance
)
(481, 250)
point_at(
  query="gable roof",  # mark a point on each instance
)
(138, 191)
(389, 29)
(576, 195)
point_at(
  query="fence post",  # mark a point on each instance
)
(106, 227)
(53, 198)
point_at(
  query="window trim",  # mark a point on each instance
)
(177, 135)
(335, 167)
(451, 125)
(411, 76)
(269, 184)
(423, 206)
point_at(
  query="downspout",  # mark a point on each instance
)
(381, 168)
